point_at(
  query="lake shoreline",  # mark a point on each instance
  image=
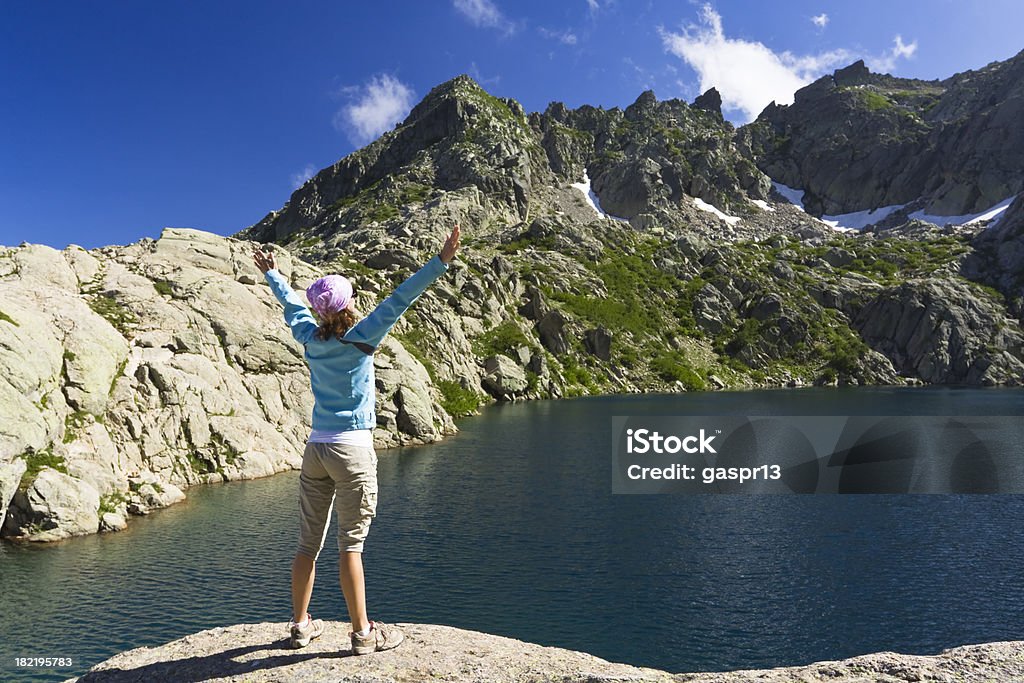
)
(597, 398)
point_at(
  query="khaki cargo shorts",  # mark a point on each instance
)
(341, 475)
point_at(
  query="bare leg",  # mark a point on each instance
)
(350, 568)
(303, 575)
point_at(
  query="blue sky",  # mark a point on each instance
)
(120, 118)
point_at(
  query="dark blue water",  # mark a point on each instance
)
(510, 528)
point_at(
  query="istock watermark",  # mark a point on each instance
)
(816, 454)
(646, 441)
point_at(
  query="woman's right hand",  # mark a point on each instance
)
(451, 245)
(264, 260)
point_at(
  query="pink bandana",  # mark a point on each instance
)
(329, 294)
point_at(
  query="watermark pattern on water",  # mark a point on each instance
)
(818, 454)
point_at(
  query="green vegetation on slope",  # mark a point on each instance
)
(36, 461)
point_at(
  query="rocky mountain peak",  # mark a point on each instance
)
(460, 96)
(645, 103)
(855, 74)
(710, 101)
(459, 135)
(556, 111)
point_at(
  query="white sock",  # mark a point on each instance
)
(303, 623)
(365, 632)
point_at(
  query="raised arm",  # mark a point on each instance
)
(373, 328)
(296, 315)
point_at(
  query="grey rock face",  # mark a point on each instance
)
(629, 188)
(943, 332)
(856, 140)
(535, 307)
(998, 257)
(141, 370)
(568, 149)
(415, 416)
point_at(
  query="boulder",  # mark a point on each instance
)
(415, 416)
(551, 329)
(765, 307)
(598, 342)
(535, 307)
(160, 494)
(113, 521)
(503, 379)
(54, 506)
(389, 258)
(839, 257)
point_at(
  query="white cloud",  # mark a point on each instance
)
(820, 20)
(593, 6)
(376, 108)
(299, 179)
(565, 37)
(748, 74)
(485, 14)
(886, 62)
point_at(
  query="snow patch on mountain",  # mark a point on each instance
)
(704, 206)
(858, 220)
(990, 214)
(592, 200)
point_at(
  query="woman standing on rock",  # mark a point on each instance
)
(339, 464)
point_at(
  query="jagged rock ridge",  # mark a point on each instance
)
(855, 140)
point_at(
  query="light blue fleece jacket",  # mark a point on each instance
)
(341, 374)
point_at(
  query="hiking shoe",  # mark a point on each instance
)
(301, 635)
(381, 637)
